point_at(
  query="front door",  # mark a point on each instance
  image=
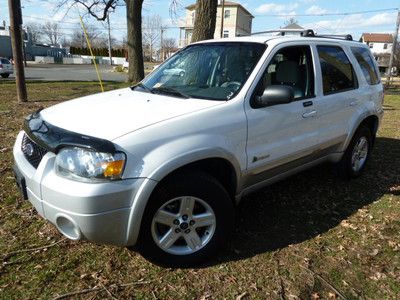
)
(283, 136)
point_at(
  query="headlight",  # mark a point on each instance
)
(87, 165)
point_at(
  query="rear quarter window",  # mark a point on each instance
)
(366, 64)
(337, 71)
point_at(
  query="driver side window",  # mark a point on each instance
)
(291, 66)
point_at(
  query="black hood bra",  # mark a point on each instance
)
(54, 138)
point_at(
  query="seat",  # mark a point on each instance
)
(288, 73)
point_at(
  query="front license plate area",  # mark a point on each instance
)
(21, 183)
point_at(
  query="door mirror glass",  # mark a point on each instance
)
(274, 95)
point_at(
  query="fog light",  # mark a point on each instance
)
(68, 228)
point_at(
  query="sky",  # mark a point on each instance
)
(321, 15)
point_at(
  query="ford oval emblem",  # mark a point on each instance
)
(29, 149)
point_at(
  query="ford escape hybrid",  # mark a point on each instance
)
(161, 165)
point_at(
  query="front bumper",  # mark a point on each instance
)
(98, 212)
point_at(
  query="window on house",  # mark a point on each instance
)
(193, 17)
(227, 13)
(385, 46)
(371, 45)
(337, 71)
(226, 33)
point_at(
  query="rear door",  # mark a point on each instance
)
(283, 136)
(337, 95)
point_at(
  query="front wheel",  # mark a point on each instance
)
(188, 219)
(5, 75)
(357, 154)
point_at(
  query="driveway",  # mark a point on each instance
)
(54, 72)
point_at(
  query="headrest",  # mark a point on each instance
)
(288, 72)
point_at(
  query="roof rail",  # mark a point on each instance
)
(302, 32)
(347, 37)
(306, 33)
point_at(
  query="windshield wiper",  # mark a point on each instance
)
(170, 91)
(141, 85)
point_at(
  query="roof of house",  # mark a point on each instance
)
(377, 37)
(227, 4)
(293, 26)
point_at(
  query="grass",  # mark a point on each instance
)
(302, 238)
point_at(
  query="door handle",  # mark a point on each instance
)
(310, 114)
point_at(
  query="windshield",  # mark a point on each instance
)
(215, 71)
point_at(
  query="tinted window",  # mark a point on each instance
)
(366, 63)
(337, 72)
(291, 66)
(5, 61)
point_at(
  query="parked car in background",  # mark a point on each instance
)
(161, 165)
(6, 67)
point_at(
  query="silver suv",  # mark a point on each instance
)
(162, 164)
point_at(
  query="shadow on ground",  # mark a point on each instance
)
(310, 203)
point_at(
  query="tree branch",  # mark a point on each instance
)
(7, 255)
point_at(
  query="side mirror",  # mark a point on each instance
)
(273, 95)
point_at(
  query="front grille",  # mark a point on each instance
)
(32, 151)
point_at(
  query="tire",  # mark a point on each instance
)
(209, 198)
(5, 75)
(347, 167)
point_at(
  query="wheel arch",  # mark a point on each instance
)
(221, 165)
(371, 121)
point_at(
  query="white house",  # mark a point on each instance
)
(381, 47)
(379, 43)
(237, 22)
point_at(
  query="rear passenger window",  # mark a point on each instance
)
(366, 63)
(337, 71)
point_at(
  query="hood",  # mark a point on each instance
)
(112, 114)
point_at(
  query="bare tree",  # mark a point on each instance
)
(291, 21)
(151, 32)
(169, 46)
(52, 33)
(95, 37)
(99, 9)
(35, 32)
(204, 22)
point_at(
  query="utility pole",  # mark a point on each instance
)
(109, 39)
(222, 18)
(162, 43)
(396, 33)
(15, 12)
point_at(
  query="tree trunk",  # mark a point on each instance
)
(135, 49)
(204, 23)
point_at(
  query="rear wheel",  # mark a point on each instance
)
(357, 154)
(188, 219)
(5, 75)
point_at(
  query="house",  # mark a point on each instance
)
(381, 47)
(237, 22)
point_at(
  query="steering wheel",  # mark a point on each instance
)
(232, 85)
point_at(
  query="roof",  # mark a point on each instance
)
(273, 39)
(293, 26)
(377, 37)
(227, 4)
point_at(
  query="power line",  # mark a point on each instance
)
(329, 14)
